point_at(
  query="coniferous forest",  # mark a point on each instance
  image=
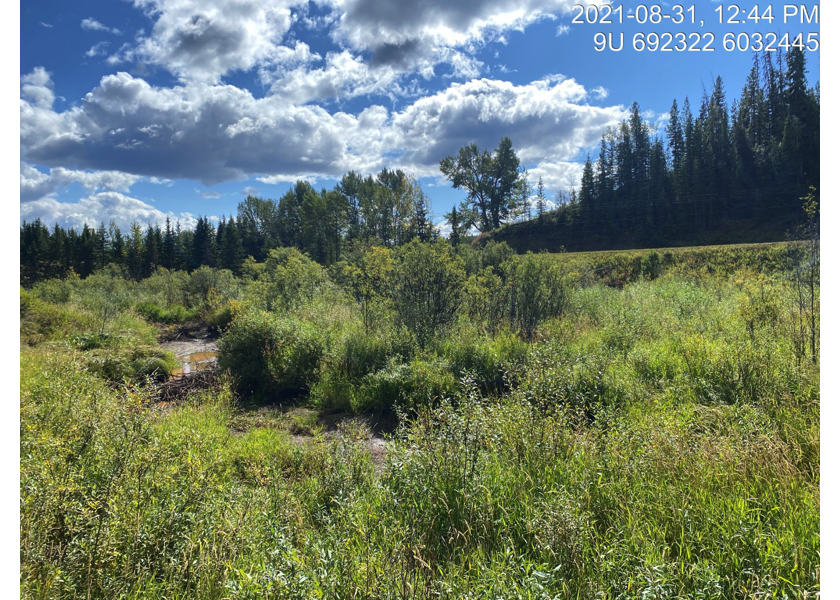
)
(731, 169)
(320, 396)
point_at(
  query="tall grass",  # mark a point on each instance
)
(658, 439)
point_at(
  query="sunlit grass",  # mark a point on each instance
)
(659, 440)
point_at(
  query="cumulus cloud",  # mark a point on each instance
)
(34, 184)
(444, 229)
(37, 89)
(102, 207)
(277, 179)
(547, 120)
(557, 176)
(401, 32)
(214, 133)
(203, 132)
(91, 24)
(344, 75)
(202, 40)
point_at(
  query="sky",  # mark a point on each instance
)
(147, 109)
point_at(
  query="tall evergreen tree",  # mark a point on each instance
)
(203, 244)
(231, 252)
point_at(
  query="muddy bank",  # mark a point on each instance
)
(188, 339)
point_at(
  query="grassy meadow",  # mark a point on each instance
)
(640, 424)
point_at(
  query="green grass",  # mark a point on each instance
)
(659, 440)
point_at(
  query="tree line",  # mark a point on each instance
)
(389, 209)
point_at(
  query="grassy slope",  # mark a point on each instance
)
(536, 236)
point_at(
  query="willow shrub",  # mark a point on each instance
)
(269, 354)
(428, 281)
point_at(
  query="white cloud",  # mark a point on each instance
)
(599, 92)
(215, 133)
(34, 184)
(547, 120)
(202, 40)
(97, 49)
(278, 179)
(444, 229)
(37, 88)
(123, 54)
(91, 24)
(203, 132)
(557, 176)
(402, 32)
(99, 208)
(342, 76)
(562, 30)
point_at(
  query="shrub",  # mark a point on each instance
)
(56, 291)
(138, 364)
(556, 376)
(536, 288)
(173, 314)
(288, 279)
(166, 288)
(488, 359)
(41, 321)
(106, 294)
(369, 281)
(208, 287)
(428, 288)
(354, 356)
(268, 354)
(651, 266)
(405, 386)
(493, 254)
(222, 316)
(483, 293)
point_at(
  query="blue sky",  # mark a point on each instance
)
(153, 108)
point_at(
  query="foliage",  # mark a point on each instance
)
(491, 183)
(427, 288)
(269, 355)
(369, 280)
(175, 314)
(536, 288)
(729, 170)
(660, 438)
(288, 279)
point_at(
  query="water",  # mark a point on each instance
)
(194, 362)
